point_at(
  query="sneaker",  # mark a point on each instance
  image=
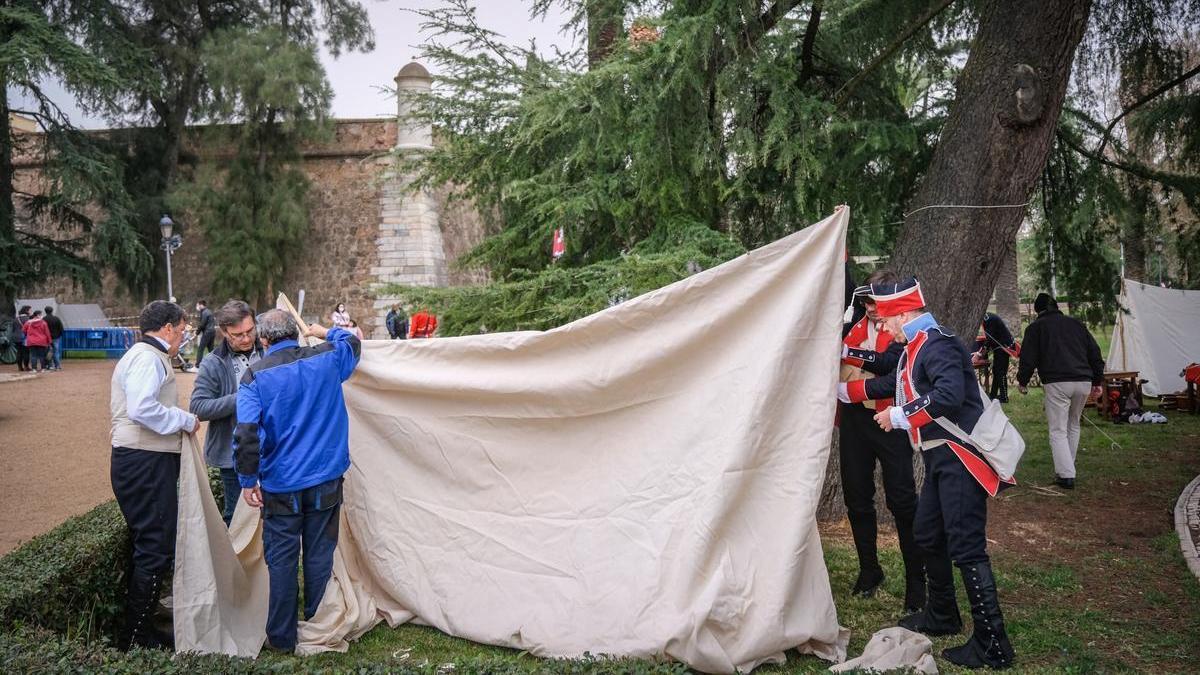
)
(1064, 483)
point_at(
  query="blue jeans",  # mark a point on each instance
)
(56, 356)
(307, 518)
(233, 492)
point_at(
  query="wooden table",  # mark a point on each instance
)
(1117, 381)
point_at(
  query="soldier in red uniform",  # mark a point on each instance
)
(868, 351)
(937, 402)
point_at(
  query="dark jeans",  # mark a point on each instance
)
(233, 492)
(145, 485)
(951, 517)
(22, 357)
(37, 358)
(307, 518)
(206, 343)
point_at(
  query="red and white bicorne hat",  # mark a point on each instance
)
(896, 299)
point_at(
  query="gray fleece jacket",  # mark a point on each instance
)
(214, 400)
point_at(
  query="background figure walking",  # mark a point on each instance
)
(22, 348)
(37, 341)
(56, 333)
(995, 339)
(397, 323)
(340, 318)
(206, 330)
(1065, 355)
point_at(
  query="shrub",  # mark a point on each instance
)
(70, 579)
(36, 650)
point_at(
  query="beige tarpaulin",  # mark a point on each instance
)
(1158, 335)
(642, 481)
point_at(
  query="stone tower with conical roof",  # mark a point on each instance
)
(411, 250)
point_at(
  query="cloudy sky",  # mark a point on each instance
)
(357, 77)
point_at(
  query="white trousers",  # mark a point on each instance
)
(1064, 404)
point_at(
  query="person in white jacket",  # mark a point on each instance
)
(147, 437)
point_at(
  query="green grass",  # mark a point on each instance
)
(1060, 607)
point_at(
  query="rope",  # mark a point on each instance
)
(952, 206)
(1113, 444)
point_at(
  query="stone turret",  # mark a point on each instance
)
(411, 250)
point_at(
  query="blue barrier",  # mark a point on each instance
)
(113, 342)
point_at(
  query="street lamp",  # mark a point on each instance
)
(170, 243)
(1158, 248)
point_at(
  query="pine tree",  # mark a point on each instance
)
(78, 170)
(752, 119)
(272, 92)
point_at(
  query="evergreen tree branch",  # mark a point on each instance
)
(1188, 185)
(842, 93)
(1159, 91)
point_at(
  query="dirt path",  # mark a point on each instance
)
(54, 446)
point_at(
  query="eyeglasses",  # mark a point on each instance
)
(241, 335)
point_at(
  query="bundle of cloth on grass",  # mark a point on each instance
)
(643, 481)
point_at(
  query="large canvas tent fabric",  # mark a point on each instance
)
(641, 482)
(1157, 333)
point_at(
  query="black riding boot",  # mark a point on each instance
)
(914, 567)
(940, 615)
(140, 606)
(989, 646)
(870, 574)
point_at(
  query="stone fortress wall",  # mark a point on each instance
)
(365, 228)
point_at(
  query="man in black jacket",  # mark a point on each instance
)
(56, 332)
(214, 396)
(206, 330)
(1068, 361)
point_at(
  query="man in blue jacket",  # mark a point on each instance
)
(933, 382)
(292, 447)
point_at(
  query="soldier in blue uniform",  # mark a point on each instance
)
(937, 401)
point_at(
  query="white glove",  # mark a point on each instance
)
(845, 350)
(843, 392)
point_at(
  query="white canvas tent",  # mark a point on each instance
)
(1157, 334)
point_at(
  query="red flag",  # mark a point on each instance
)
(560, 244)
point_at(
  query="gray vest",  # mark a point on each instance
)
(129, 434)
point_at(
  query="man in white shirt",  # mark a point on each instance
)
(147, 436)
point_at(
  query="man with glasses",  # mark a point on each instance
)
(214, 397)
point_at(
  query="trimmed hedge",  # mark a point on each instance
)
(70, 579)
(36, 650)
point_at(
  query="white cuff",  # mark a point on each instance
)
(843, 393)
(899, 421)
(845, 350)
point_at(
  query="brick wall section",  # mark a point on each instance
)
(360, 224)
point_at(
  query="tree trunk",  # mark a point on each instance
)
(8, 225)
(605, 19)
(1008, 297)
(832, 507)
(993, 148)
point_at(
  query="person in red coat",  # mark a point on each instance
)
(423, 325)
(37, 340)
